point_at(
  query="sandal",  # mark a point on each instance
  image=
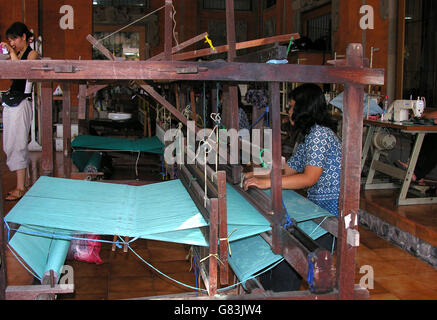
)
(15, 195)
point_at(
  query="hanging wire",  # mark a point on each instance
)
(127, 26)
(174, 25)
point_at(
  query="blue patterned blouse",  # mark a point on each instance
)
(322, 149)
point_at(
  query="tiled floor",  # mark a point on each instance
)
(397, 274)
(124, 275)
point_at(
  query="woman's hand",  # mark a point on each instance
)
(248, 175)
(11, 50)
(260, 183)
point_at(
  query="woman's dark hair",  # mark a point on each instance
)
(17, 29)
(310, 109)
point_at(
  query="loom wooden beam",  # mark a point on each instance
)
(210, 209)
(160, 99)
(359, 294)
(213, 250)
(349, 199)
(97, 45)
(66, 128)
(230, 30)
(276, 171)
(181, 46)
(33, 291)
(223, 228)
(45, 70)
(81, 112)
(47, 129)
(238, 46)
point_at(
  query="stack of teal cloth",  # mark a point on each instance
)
(152, 144)
(57, 208)
(253, 254)
(303, 211)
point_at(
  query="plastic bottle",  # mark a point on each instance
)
(385, 105)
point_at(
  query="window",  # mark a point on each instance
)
(317, 26)
(109, 16)
(239, 5)
(269, 4)
(420, 50)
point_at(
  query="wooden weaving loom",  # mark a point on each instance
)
(353, 73)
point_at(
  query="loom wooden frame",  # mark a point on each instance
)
(350, 72)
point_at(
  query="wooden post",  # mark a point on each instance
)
(276, 173)
(193, 106)
(47, 128)
(3, 271)
(233, 89)
(213, 240)
(230, 30)
(66, 128)
(349, 200)
(81, 114)
(223, 229)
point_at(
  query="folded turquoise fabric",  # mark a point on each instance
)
(250, 256)
(55, 208)
(243, 219)
(152, 144)
(303, 211)
(40, 253)
(88, 207)
(161, 211)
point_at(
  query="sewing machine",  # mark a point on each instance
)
(400, 109)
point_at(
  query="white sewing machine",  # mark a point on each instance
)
(400, 109)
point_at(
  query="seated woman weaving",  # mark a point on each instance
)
(316, 165)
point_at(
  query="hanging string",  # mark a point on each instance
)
(22, 263)
(217, 120)
(163, 274)
(136, 163)
(227, 240)
(174, 25)
(212, 255)
(318, 226)
(205, 197)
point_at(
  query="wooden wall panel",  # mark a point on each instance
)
(67, 44)
(349, 31)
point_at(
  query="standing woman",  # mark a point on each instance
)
(17, 116)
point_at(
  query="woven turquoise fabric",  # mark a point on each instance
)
(87, 207)
(41, 254)
(243, 219)
(162, 211)
(303, 211)
(152, 144)
(250, 256)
